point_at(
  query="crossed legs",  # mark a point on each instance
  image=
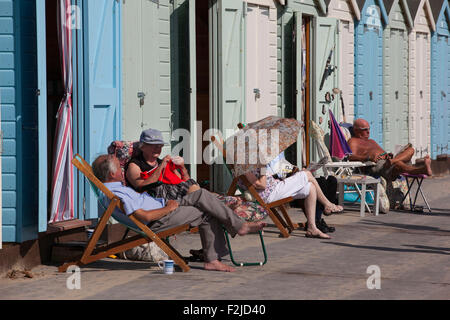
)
(400, 166)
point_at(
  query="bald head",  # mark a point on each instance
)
(361, 128)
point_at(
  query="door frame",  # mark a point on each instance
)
(41, 41)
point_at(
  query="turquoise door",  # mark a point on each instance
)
(42, 114)
(102, 69)
(440, 97)
(440, 84)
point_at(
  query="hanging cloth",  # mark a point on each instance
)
(62, 203)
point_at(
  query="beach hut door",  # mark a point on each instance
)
(230, 77)
(325, 72)
(102, 84)
(42, 113)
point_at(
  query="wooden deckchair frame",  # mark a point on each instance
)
(286, 226)
(91, 253)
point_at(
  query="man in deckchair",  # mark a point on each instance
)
(199, 208)
(387, 166)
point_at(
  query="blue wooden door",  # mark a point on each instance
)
(102, 69)
(440, 96)
(42, 114)
(369, 69)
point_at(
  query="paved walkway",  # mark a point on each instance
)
(411, 251)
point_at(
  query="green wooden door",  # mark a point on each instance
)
(325, 42)
(146, 69)
(229, 75)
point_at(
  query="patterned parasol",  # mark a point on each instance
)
(260, 142)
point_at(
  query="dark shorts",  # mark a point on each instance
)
(380, 170)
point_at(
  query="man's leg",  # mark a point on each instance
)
(401, 167)
(208, 203)
(404, 156)
(211, 234)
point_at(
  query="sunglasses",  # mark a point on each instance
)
(364, 129)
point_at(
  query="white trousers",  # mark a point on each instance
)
(296, 186)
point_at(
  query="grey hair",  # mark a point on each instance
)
(103, 166)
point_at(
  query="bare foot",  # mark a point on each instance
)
(251, 227)
(316, 233)
(427, 161)
(216, 265)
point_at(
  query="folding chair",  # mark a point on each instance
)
(335, 168)
(124, 151)
(145, 234)
(419, 179)
(286, 226)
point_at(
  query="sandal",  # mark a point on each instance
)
(329, 210)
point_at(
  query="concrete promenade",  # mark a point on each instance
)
(411, 250)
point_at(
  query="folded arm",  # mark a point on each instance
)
(146, 216)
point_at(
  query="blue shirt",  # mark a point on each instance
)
(133, 200)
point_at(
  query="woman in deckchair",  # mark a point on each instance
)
(301, 185)
(165, 178)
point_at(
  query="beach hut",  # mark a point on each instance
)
(419, 76)
(31, 89)
(346, 11)
(440, 82)
(369, 65)
(395, 75)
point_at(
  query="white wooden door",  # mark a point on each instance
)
(346, 77)
(422, 115)
(260, 71)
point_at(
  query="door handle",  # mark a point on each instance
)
(371, 95)
(396, 95)
(257, 93)
(141, 97)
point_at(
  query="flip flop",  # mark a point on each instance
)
(329, 213)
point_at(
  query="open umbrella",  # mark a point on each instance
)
(339, 147)
(260, 142)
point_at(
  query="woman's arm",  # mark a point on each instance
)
(146, 216)
(134, 176)
(259, 183)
